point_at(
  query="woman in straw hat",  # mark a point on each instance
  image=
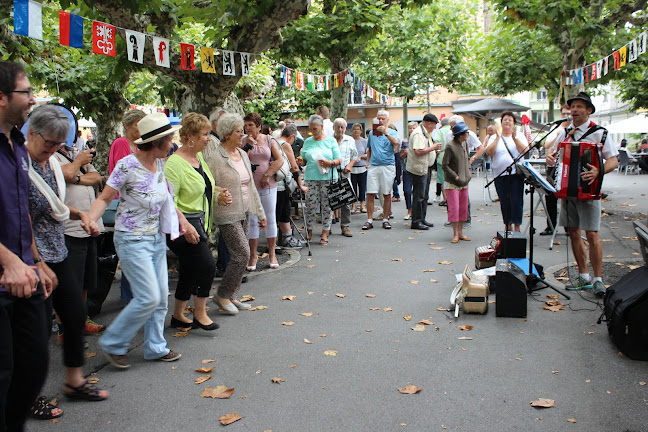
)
(146, 211)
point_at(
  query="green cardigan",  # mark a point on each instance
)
(189, 187)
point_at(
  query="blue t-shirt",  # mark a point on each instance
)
(382, 151)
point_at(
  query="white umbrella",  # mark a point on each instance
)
(636, 124)
(83, 123)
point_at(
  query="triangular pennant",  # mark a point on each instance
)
(135, 46)
(207, 60)
(245, 64)
(103, 39)
(229, 67)
(632, 50)
(161, 49)
(28, 19)
(71, 30)
(187, 55)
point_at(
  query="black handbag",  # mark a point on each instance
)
(340, 192)
(197, 220)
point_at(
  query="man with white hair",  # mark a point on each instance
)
(276, 134)
(349, 155)
(381, 169)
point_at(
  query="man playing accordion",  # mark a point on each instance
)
(577, 215)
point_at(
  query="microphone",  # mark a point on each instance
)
(560, 121)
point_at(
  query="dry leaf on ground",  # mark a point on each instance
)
(181, 334)
(543, 403)
(340, 295)
(434, 280)
(571, 420)
(464, 338)
(387, 309)
(90, 355)
(229, 419)
(429, 270)
(397, 259)
(633, 266)
(277, 380)
(555, 308)
(419, 328)
(306, 314)
(287, 323)
(293, 366)
(554, 297)
(208, 361)
(445, 262)
(93, 380)
(202, 379)
(442, 309)
(288, 297)
(310, 292)
(414, 282)
(310, 266)
(258, 308)
(263, 255)
(410, 389)
(466, 327)
(322, 335)
(246, 298)
(205, 369)
(437, 247)
(426, 322)
(331, 353)
(408, 317)
(373, 309)
(307, 341)
(370, 295)
(218, 392)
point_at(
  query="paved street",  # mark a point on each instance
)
(483, 383)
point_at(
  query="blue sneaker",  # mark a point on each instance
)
(579, 284)
(598, 289)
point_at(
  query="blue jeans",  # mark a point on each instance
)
(407, 188)
(126, 293)
(143, 260)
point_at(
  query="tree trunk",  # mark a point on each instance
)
(339, 95)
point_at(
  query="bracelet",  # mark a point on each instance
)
(37, 260)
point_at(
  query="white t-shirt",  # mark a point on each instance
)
(328, 127)
(609, 149)
(502, 158)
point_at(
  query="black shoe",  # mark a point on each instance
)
(197, 324)
(546, 232)
(418, 226)
(244, 280)
(604, 195)
(426, 223)
(179, 324)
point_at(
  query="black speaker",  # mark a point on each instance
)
(512, 247)
(510, 290)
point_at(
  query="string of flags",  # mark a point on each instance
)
(28, 21)
(615, 61)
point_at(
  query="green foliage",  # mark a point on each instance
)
(632, 83)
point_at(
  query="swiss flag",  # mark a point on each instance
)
(103, 39)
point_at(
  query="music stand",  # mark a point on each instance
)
(535, 180)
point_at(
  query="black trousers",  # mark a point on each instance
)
(197, 268)
(427, 192)
(23, 356)
(419, 202)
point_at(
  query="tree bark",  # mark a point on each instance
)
(339, 95)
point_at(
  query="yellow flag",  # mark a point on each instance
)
(623, 56)
(207, 60)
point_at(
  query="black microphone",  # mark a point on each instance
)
(566, 119)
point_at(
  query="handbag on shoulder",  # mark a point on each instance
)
(340, 192)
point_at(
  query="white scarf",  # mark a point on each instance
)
(60, 211)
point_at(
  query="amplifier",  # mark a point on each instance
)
(513, 247)
(510, 290)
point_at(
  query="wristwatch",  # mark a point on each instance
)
(37, 260)
(78, 178)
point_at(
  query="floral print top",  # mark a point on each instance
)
(49, 234)
(141, 195)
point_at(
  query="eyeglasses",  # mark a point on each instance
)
(50, 143)
(238, 131)
(26, 92)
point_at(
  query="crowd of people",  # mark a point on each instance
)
(228, 175)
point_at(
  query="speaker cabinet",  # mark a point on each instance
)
(514, 246)
(510, 290)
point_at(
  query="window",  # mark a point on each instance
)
(541, 95)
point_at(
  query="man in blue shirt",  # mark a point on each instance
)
(23, 324)
(381, 169)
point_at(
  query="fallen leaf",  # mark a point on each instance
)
(322, 335)
(310, 266)
(408, 317)
(258, 372)
(307, 341)
(410, 238)
(181, 334)
(571, 420)
(293, 366)
(202, 379)
(368, 330)
(466, 327)
(429, 270)
(340, 295)
(419, 328)
(218, 392)
(189, 309)
(552, 296)
(263, 255)
(436, 329)
(437, 247)
(387, 309)
(310, 292)
(287, 323)
(633, 267)
(555, 372)
(445, 262)
(432, 243)
(331, 353)
(642, 383)
(229, 419)
(288, 297)
(397, 259)
(374, 309)
(464, 338)
(554, 308)
(244, 397)
(90, 355)
(277, 380)
(205, 369)
(306, 314)
(258, 308)
(410, 389)
(208, 361)
(609, 256)
(543, 403)
(93, 380)
(426, 322)
(370, 295)
(246, 298)
(434, 280)
(414, 282)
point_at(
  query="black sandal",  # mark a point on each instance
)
(87, 392)
(42, 409)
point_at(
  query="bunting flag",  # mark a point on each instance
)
(593, 72)
(327, 82)
(287, 77)
(623, 56)
(103, 39)
(207, 60)
(336, 81)
(606, 65)
(28, 19)
(615, 54)
(229, 67)
(310, 82)
(70, 30)
(632, 50)
(300, 81)
(187, 55)
(599, 69)
(320, 83)
(641, 43)
(135, 46)
(245, 64)
(161, 50)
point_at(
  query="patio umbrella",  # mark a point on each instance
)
(636, 124)
(485, 108)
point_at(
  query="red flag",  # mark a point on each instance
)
(187, 55)
(103, 39)
(615, 54)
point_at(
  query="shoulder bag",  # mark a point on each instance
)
(340, 192)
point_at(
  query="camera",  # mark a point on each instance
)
(93, 153)
(254, 166)
(247, 147)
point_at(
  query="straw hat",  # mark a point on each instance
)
(154, 126)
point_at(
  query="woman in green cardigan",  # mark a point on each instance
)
(194, 192)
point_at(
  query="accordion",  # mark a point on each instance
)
(573, 158)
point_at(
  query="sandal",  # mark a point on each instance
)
(87, 392)
(443, 204)
(454, 241)
(42, 409)
(323, 241)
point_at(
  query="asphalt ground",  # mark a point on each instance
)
(482, 379)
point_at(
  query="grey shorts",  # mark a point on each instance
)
(585, 215)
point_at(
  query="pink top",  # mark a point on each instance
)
(245, 182)
(260, 155)
(119, 149)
